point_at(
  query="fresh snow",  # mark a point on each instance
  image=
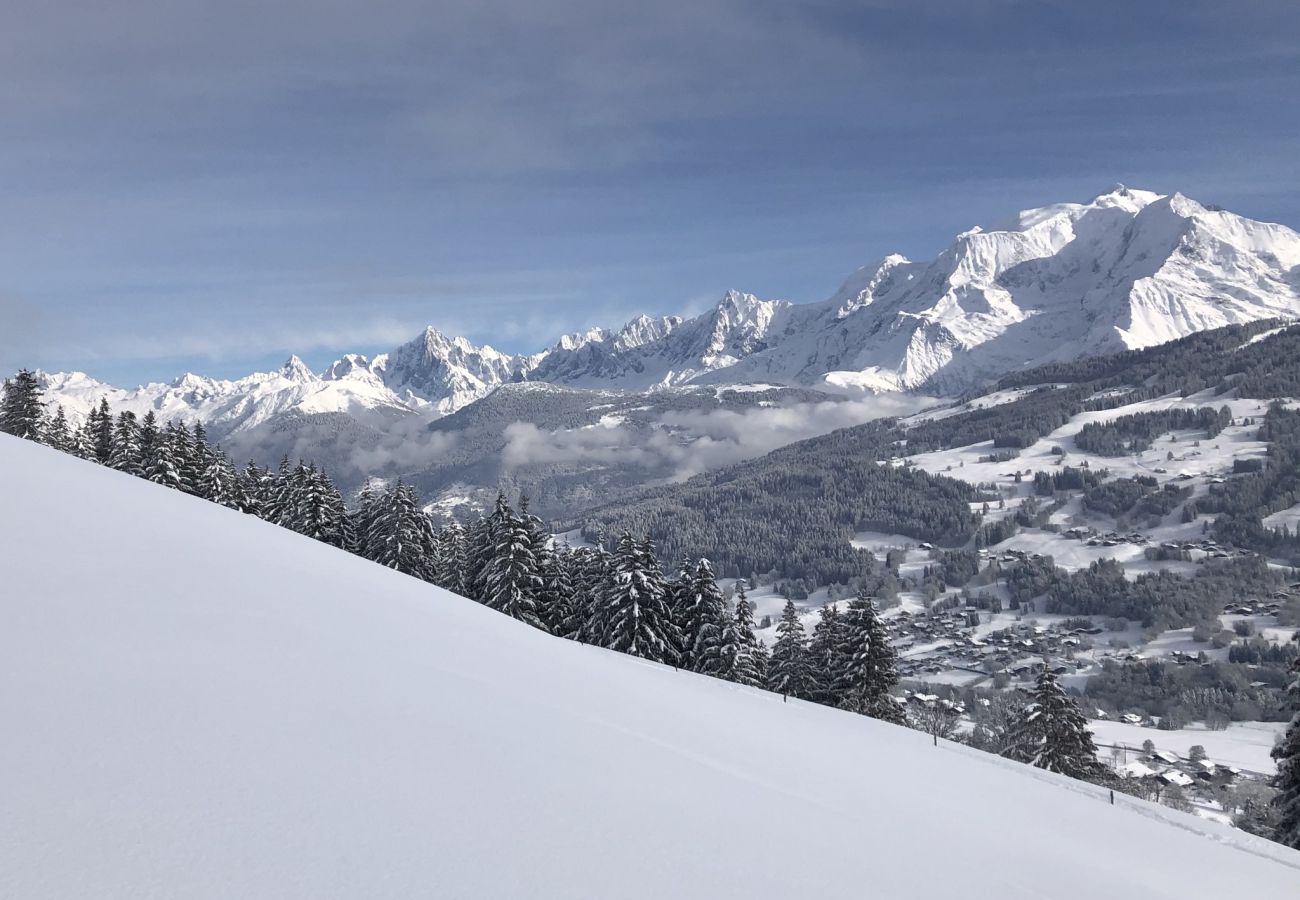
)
(198, 704)
(1246, 745)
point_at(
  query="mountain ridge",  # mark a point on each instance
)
(1126, 270)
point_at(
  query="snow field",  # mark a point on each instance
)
(202, 705)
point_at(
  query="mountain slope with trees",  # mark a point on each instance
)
(304, 723)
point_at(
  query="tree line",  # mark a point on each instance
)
(612, 594)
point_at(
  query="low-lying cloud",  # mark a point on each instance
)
(683, 444)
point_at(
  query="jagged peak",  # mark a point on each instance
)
(296, 370)
(644, 329)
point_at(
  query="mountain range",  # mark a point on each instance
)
(1128, 269)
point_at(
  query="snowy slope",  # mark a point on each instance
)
(206, 706)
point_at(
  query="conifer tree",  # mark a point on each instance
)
(1287, 754)
(541, 543)
(22, 413)
(870, 664)
(451, 563)
(82, 444)
(1051, 733)
(125, 455)
(747, 665)
(826, 658)
(400, 535)
(277, 501)
(511, 581)
(560, 592)
(148, 437)
(594, 575)
(253, 482)
(164, 468)
(633, 614)
(177, 436)
(789, 670)
(219, 484)
(480, 544)
(702, 617)
(57, 433)
(318, 509)
(102, 425)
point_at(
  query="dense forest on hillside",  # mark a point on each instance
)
(793, 511)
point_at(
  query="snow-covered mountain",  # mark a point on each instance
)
(306, 724)
(1127, 269)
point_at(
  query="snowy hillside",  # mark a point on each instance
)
(207, 706)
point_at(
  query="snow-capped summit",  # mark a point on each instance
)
(294, 369)
(1126, 269)
(447, 372)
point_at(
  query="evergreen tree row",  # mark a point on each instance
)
(614, 596)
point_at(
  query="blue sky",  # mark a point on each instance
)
(209, 187)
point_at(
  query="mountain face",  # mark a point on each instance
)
(1129, 269)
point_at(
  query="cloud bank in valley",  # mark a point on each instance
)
(683, 444)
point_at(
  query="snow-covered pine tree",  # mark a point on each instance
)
(451, 564)
(1051, 733)
(789, 670)
(57, 433)
(125, 456)
(149, 437)
(589, 575)
(401, 535)
(542, 545)
(866, 663)
(82, 444)
(593, 575)
(702, 617)
(1287, 754)
(318, 507)
(219, 484)
(560, 591)
(633, 615)
(480, 544)
(22, 413)
(253, 481)
(102, 426)
(748, 666)
(826, 657)
(762, 659)
(177, 434)
(277, 500)
(197, 458)
(164, 468)
(363, 519)
(511, 580)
